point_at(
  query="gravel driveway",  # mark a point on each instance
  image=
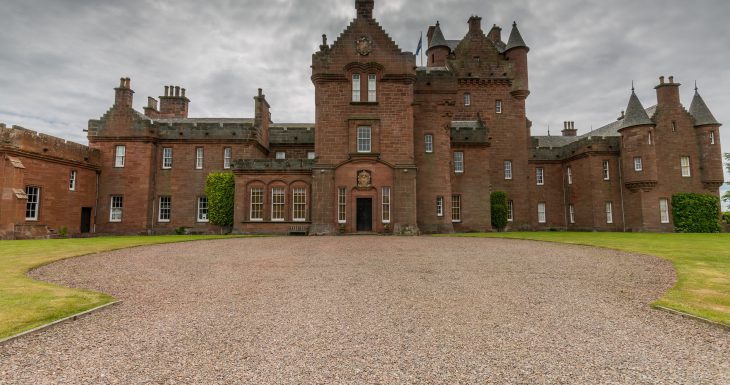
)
(362, 310)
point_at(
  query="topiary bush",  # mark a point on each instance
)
(220, 188)
(498, 201)
(696, 213)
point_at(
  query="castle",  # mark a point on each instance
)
(395, 148)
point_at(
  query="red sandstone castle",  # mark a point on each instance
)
(395, 148)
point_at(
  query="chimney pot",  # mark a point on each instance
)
(661, 80)
(261, 92)
(167, 90)
(121, 82)
(177, 90)
(128, 82)
(183, 92)
(671, 80)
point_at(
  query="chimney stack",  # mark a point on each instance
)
(667, 94)
(495, 34)
(364, 8)
(174, 104)
(569, 129)
(123, 93)
(475, 24)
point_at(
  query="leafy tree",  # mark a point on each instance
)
(498, 201)
(726, 196)
(220, 188)
(696, 213)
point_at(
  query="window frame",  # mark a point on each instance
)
(385, 204)
(467, 99)
(569, 172)
(167, 209)
(609, 212)
(540, 176)
(428, 143)
(712, 137)
(372, 88)
(299, 204)
(606, 166)
(199, 158)
(663, 210)
(280, 155)
(508, 170)
(458, 162)
(33, 206)
(571, 213)
(256, 206)
(72, 176)
(341, 205)
(498, 106)
(202, 199)
(364, 142)
(311, 155)
(119, 159)
(227, 157)
(541, 212)
(356, 90)
(278, 204)
(112, 208)
(439, 206)
(166, 157)
(685, 167)
(456, 208)
(510, 211)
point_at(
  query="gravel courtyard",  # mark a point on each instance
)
(365, 310)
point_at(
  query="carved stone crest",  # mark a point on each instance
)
(363, 178)
(364, 45)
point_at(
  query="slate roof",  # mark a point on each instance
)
(515, 39)
(438, 38)
(635, 113)
(698, 109)
(291, 133)
(469, 131)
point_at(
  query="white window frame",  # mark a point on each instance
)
(299, 204)
(459, 162)
(685, 165)
(202, 212)
(606, 170)
(541, 215)
(508, 169)
(281, 155)
(510, 211)
(664, 210)
(311, 155)
(227, 157)
(167, 157)
(364, 139)
(120, 153)
(385, 204)
(609, 212)
(540, 176)
(712, 137)
(456, 208)
(33, 204)
(638, 164)
(372, 88)
(571, 211)
(278, 203)
(356, 88)
(199, 158)
(164, 207)
(116, 209)
(467, 99)
(72, 180)
(498, 106)
(439, 206)
(256, 204)
(341, 205)
(428, 141)
(570, 174)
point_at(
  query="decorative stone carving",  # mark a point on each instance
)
(363, 179)
(364, 46)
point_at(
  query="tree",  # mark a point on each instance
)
(220, 188)
(726, 195)
(696, 213)
(498, 201)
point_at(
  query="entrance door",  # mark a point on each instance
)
(85, 219)
(364, 214)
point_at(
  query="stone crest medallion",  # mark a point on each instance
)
(364, 45)
(363, 178)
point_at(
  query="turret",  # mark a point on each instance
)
(174, 104)
(123, 94)
(638, 154)
(516, 52)
(438, 49)
(707, 130)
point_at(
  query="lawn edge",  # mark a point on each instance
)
(691, 316)
(73, 317)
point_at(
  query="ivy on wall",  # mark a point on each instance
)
(498, 201)
(696, 213)
(220, 188)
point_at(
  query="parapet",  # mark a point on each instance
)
(23, 140)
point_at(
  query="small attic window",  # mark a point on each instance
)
(476, 59)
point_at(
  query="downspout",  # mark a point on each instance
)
(96, 205)
(565, 202)
(621, 191)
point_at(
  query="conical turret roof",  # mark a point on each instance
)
(515, 39)
(698, 109)
(635, 113)
(438, 38)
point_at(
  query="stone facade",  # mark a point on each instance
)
(395, 148)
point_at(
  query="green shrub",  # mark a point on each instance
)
(181, 230)
(498, 201)
(63, 232)
(696, 213)
(220, 189)
(726, 217)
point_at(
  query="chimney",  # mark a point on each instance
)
(151, 109)
(174, 104)
(262, 117)
(569, 129)
(364, 8)
(495, 34)
(123, 93)
(475, 25)
(667, 94)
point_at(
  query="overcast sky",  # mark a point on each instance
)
(61, 59)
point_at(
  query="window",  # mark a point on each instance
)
(386, 204)
(372, 94)
(439, 206)
(541, 212)
(33, 203)
(510, 211)
(341, 205)
(167, 157)
(456, 208)
(311, 155)
(571, 210)
(115, 212)
(637, 163)
(684, 162)
(540, 176)
(458, 162)
(202, 209)
(280, 155)
(199, 158)
(72, 180)
(227, 156)
(498, 106)
(467, 99)
(299, 212)
(428, 140)
(355, 87)
(257, 204)
(712, 137)
(674, 126)
(507, 169)
(650, 138)
(363, 139)
(119, 152)
(664, 210)
(165, 209)
(277, 203)
(606, 175)
(570, 175)
(609, 212)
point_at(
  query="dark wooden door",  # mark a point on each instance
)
(364, 214)
(85, 219)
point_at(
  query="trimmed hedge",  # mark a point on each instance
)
(696, 213)
(498, 201)
(220, 188)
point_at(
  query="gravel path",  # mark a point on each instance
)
(362, 310)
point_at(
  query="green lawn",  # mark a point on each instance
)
(702, 263)
(26, 303)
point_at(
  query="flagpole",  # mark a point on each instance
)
(421, 40)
